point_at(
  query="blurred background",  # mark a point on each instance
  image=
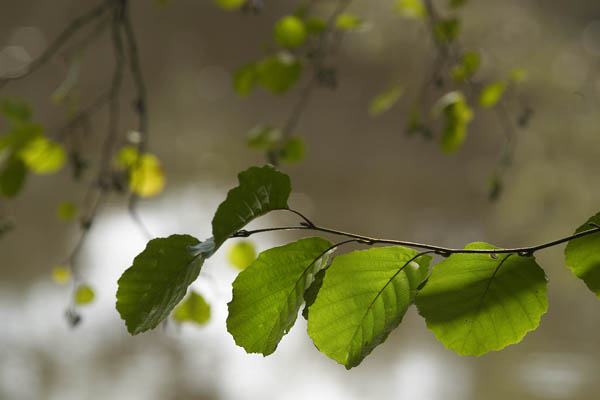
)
(361, 174)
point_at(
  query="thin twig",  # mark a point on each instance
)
(64, 36)
(440, 250)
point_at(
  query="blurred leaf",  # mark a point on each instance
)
(241, 254)
(583, 258)
(491, 94)
(43, 156)
(475, 303)
(20, 135)
(161, 3)
(290, 32)
(518, 75)
(193, 309)
(66, 211)
(12, 177)
(84, 295)
(229, 5)
(348, 22)
(364, 296)
(468, 66)
(457, 3)
(411, 8)
(157, 281)
(263, 137)
(293, 151)
(416, 124)
(260, 190)
(146, 176)
(278, 73)
(61, 274)
(245, 79)
(457, 114)
(126, 157)
(16, 111)
(315, 26)
(446, 30)
(268, 294)
(385, 100)
(68, 84)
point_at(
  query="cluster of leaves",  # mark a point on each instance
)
(25, 148)
(452, 66)
(476, 300)
(297, 43)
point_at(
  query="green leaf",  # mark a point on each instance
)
(193, 309)
(411, 8)
(241, 254)
(457, 114)
(315, 26)
(364, 296)
(229, 5)
(385, 100)
(582, 256)
(263, 137)
(468, 66)
(268, 294)
(278, 73)
(348, 22)
(290, 32)
(146, 176)
(12, 177)
(84, 295)
(310, 294)
(16, 111)
(491, 94)
(21, 135)
(126, 157)
(260, 190)
(245, 79)
(43, 156)
(157, 281)
(518, 75)
(476, 303)
(457, 3)
(61, 274)
(446, 30)
(66, 211)
(293, 151)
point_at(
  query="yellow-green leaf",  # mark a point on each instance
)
(193, 309)
(61, 274)
(293, 151)
(43, 156)
(348, 22)
(385, 100)
(126, 157)
(241, 254)
(66, 211)
(290, 31)
(84, 295)
(229, 5)
(411, 8)
(146, 176)
(491, 94)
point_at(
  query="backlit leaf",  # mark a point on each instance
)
(229, 5)
(411, 8)
(467, 68)
(43, 156)
(146, 176)
(364, 296)
(84, 295)
(293, 151)
(66, 211)
(290, 32)
(582, 256)
(157, 281)
(269, 293)
(278, 73)
(491, 94)
(446, 30)
(348, 22)
(241, 254)
(385, 100)
(475, 303)
(61, 274)
(193, 309)
(245, 79)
